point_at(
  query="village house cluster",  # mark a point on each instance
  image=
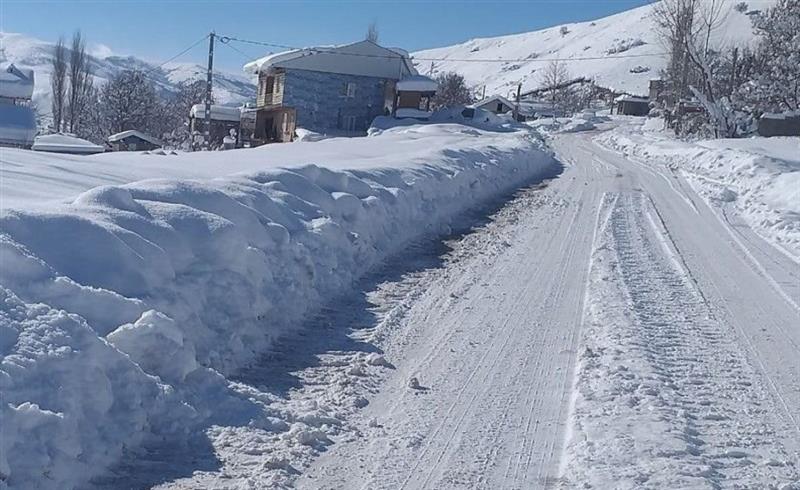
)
(335, 90)
(330, 90)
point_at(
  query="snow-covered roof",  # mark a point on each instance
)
(410, 112)
(17, 125)
(218, 112)
(133, 132)
(781, 115)
(631, 98)
(495, 98)
(361, 58)
(16, 82)
(64, 143)
(417, 83)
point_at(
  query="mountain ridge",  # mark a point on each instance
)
(29, 52)
(620, 52)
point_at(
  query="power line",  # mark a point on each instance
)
(528, 60)
(178, 55)
(245, 55)
(227, 39)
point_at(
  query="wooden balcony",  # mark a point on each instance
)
(269, 99)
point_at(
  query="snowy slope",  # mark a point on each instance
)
(28, 52)
(623, 34)
(201, 265)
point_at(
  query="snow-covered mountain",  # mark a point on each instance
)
(624, 34)
(28, 52)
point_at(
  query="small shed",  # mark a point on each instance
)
(496, 104)
(413, 97)
(223, 119)
(133, 140)
(629, 105)
(783, 124)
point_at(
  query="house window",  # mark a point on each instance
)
(349, 90)
(499, 107)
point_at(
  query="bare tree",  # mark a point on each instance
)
(129, 101)
(555, 79)
(372, 32)
(80, 80)
(453, 91)
(58, 83)
(686, 28)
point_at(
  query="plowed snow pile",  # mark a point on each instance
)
(132, 283)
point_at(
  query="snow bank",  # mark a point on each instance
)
(122, 305)
(759, 177)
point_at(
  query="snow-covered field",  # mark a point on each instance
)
(132, 284)
(758, 177)
(621, 52)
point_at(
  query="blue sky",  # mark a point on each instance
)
(157, 30)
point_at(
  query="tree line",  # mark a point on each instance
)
(734, 85)
(130, 99)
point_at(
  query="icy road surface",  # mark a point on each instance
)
(687, 363)
(607, 329)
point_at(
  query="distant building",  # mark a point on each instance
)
(65, 143)
(525, 110)
(223, 120)
(629, 105)
(496, 104)
(132, 140)
(330, 90)
(17, 119)
(785, 124)
(413, 97)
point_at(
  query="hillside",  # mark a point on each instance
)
(630, 33)
(28, 52)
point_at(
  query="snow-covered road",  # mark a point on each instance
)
(678, 327)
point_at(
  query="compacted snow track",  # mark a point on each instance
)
(606, 328)
(686, 374)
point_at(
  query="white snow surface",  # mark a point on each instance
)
(218, 112)
(132, 132)
(417, 83)
(60, 142)
(364, 58)
(624, 34)
(132, 283)
(757, 177)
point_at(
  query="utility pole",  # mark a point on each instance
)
(516, 106)
(733, 70)
(431, 72)
(209, 78)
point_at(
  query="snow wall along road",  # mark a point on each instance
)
(122, 310)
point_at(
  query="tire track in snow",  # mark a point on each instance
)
(665, 396)
(517, 321)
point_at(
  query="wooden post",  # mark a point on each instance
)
(516, 106)
(209, 77)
